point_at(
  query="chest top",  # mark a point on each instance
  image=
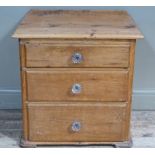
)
(78, 24)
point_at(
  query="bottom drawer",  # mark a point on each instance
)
(76, 122)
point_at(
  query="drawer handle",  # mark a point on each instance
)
(76, 88)
(76, 126)
(77, 58)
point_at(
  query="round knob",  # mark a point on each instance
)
(76, 88)
(76, 126)
(77, 58)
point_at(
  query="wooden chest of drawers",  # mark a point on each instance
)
(77, 73)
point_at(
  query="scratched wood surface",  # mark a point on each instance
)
(96, 85)
(47, 41)
(54, 125)
(78, 24)
(94, 54)
(143, 133)
(111, 84)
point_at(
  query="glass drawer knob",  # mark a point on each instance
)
(77, 58)
(76, 88)
(76, 126)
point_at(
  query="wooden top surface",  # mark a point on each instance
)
(77, 24)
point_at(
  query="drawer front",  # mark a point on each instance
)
(77, 85)
(46, 55)
(77, 122)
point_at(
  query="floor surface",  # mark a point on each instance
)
(143, 128)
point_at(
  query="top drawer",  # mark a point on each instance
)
(53, 55)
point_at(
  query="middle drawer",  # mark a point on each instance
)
(77, 85)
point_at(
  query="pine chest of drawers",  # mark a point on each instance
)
(77, 73)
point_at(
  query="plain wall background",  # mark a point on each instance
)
(144, 79)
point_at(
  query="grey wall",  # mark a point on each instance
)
(144, 79)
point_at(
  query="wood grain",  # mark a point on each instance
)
(49, 55)
(130, 90)
(54, 123)
(97, 85)
(100, 24)
(24, 90)
(63, 42)
(48, 39)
